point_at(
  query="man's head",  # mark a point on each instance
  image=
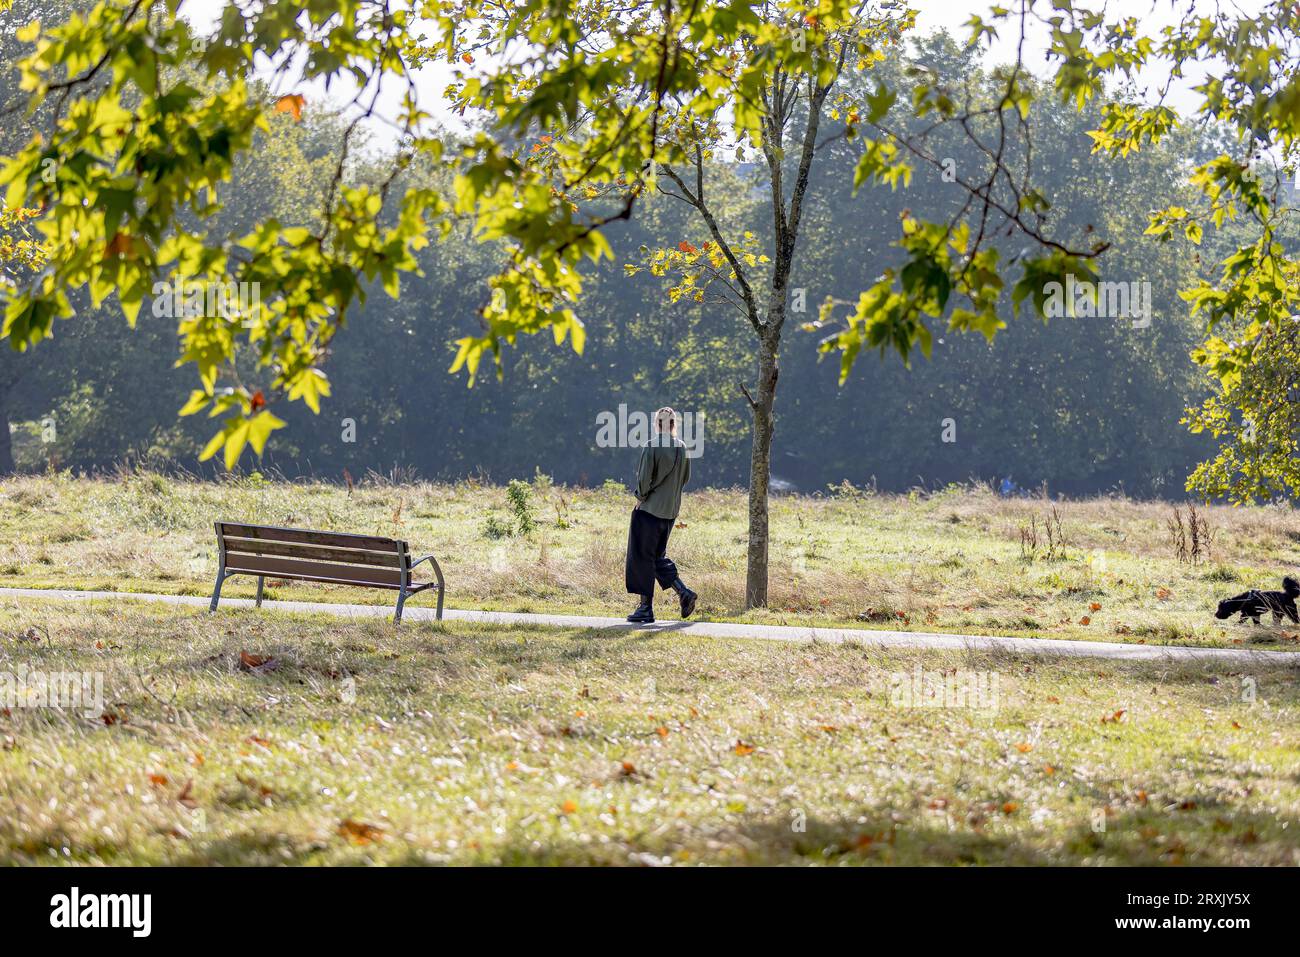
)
(666, 421)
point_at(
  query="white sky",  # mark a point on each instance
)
(933, 14)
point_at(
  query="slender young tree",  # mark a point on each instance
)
(735, 269)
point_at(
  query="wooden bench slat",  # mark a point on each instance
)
(354, 556)
(309, 537)
(314, 571)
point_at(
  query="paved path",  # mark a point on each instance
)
(711, 629)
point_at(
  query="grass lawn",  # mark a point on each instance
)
(263, 738)
(951, 561)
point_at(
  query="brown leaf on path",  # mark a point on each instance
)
(359, 832)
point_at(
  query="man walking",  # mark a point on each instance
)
(660, 476)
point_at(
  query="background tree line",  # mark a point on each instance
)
(1084, 405)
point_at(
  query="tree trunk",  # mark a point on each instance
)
(6, 446)
(760, 470)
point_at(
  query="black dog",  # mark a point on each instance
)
(1252, 604)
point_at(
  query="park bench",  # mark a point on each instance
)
(367, 561)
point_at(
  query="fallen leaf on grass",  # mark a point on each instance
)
(743, 749)
(184, 797)
(257, 663)
(1163, 594)
(158, 780)
(1095, 606)
(1024, 747)
(1085, 620)
(359, 832)
(1011, 807)
(568, 807)
(253, 785)
(1116, 718)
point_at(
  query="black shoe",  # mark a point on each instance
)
(687, 596)
(644, 614)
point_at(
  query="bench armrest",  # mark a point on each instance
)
(437, 572)
(437, 569)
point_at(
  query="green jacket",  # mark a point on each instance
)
(660, 476)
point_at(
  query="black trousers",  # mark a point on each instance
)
(647, 559)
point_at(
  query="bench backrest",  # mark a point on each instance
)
(314, 556)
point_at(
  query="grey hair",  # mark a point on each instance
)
(666, 414)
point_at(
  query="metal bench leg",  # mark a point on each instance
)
(216, 592)
(401, 600)
(261, 580)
